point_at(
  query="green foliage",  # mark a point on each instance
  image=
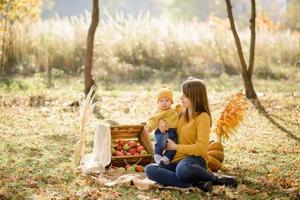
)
(13, 12)
(20, 10)
(293, 15)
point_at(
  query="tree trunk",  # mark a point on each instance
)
(250, 92)
(3, 48)
(246, 73)
(252, 41)
(88, 78)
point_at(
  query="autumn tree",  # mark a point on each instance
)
(11, 12)
(247, 70)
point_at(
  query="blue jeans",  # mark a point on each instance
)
(185, 173)
(161, 142)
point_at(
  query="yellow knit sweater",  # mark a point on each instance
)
(193, 137)
(170, 116)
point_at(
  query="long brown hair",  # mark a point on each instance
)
(195, 90)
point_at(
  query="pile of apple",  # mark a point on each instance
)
(129, 168)
(127, 148)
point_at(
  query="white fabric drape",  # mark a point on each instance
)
(100, 157)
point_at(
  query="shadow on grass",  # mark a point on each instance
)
(261, 109)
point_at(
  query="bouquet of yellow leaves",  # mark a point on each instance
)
(231, 116)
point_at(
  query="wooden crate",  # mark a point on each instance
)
(136, 133)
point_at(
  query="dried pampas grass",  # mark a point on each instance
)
(86, 108)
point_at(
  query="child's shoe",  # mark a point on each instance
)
(164, 161)
(157, 158)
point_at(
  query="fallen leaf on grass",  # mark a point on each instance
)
(275, 170)
(166, 195)
(4, 194)
(93, 194)
(283, 182)
(288, 149)
(253, 150)
(143, 197)
(32, 183)
(294, 193)
(224, 191)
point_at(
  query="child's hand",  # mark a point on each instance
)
(163, 126)
(148, 129)
(171, 145)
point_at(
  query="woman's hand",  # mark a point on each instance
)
(162, 126)
(171, 145)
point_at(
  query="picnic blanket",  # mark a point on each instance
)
(138, 180)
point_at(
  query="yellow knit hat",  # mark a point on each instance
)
(164, 91)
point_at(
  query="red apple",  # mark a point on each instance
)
(137, 154)
(132, 144)
(121, 142)
(118, 147)
(140, 148)
(119, 153)
(132, 151)
(139, 168)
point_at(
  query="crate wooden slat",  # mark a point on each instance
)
(131, 132)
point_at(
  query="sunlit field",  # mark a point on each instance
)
(39, 132)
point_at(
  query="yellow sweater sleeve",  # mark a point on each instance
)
(170, 116)
(152, 122)
(199, 148)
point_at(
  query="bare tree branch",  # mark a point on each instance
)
(236, 37)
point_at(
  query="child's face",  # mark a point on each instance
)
(164, 103)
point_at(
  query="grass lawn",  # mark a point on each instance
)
(38, 133)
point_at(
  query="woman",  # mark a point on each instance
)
(189, 166)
